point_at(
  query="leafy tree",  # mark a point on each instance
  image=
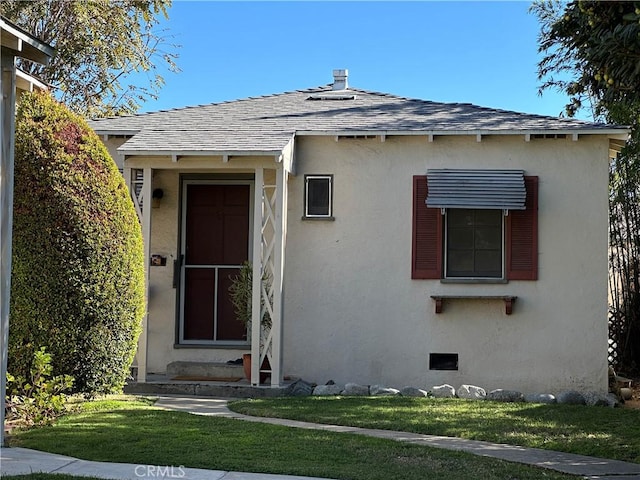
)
(78, 268)
(624, 259)
(591, 52)
(99, 44)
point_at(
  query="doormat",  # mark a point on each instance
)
(206, 379)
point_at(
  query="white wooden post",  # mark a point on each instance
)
(257, 276)
(7, 86)
(278, 271)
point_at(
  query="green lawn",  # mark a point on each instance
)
(595, 431)
(136, 432)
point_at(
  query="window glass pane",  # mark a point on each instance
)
(460, 263)
(460, 238)
(488, 217)
(318, 196)
(488, 237)
(488, 263)
(459, 218)
(474, 243)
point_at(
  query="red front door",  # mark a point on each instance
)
(215, 244)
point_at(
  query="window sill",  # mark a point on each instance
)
(508, 300)
(318, 219)
(213, 346)
(477, 281)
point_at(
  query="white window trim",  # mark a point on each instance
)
(306, 215)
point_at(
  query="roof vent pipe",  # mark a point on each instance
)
(340, 80)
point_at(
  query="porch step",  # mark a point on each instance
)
(204, 371)
(162, 385)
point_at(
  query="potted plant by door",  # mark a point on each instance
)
(241, 295)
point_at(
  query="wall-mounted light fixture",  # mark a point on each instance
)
(156, 196)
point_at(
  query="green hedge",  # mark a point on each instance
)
(78, 262)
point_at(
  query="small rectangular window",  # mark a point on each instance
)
(443, 361)
(318, 194)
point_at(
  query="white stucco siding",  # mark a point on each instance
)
(352, 312)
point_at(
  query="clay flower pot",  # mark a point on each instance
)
(246, 365)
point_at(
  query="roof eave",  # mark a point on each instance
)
(115, 132)
(29, 83)
(621, 133)
(23, 44)
(199, 153)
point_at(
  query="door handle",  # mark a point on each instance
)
(177, 266)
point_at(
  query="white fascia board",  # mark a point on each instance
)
(288, 157)
(622, 132)
(199, 153)
(28, 82)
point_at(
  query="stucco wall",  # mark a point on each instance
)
(353, 313)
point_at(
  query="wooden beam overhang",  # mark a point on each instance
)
(284, 156)
(24, 45)
(615, 146)
(28, 83)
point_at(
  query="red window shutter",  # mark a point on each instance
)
(522, 236)
(426, 258)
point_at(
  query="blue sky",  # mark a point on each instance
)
(472, 52)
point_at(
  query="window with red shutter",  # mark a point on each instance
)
(520, 232)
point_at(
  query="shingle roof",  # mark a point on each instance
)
(268, 123)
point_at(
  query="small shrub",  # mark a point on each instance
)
(39, 399)
(241, 295)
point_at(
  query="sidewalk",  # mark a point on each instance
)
(22, 461)
(18, 460)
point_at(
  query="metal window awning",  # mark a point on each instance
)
(461, 188)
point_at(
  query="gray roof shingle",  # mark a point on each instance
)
(268, 123)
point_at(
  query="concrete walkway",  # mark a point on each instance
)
(22, 461)
(19, 460)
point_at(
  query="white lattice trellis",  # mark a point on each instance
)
(137, 192)
(269, 242)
